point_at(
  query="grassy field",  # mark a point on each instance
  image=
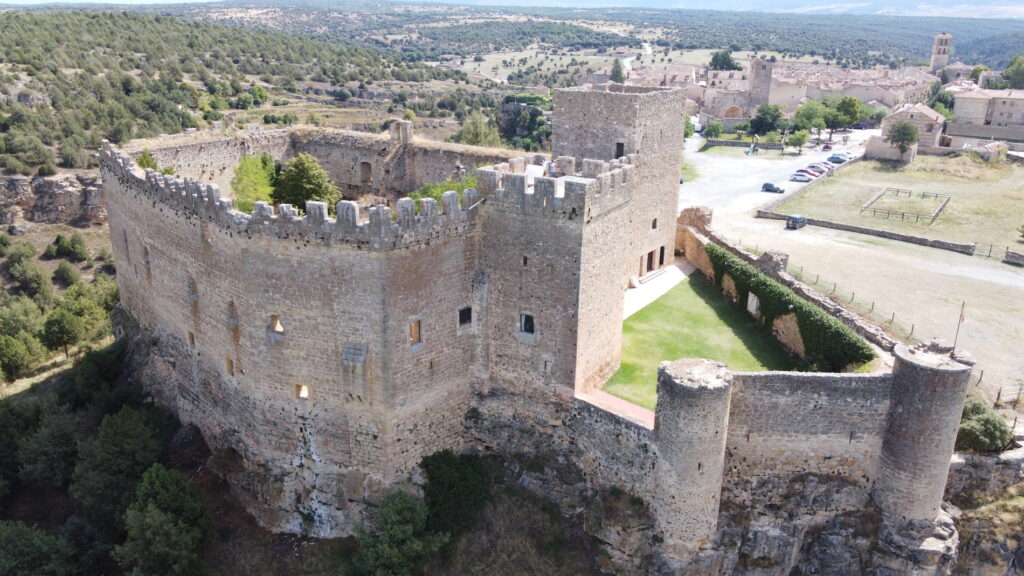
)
(986, 206)
(690, 321)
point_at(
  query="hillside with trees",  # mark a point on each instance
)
(68, 80)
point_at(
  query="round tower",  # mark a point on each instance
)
(692, 417)
(928, 393)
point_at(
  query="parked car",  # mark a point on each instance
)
(827, 146)
(860, 126)
(820, 168)
(795, 221)
(810, 173)
(769, 187)
(837, 159)
(814, 171)
(798, 177)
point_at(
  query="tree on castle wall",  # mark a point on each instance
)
(304, 180)
(723, 60)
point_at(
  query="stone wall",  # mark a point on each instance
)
(878, 149)
(807, 423)
(967, 249)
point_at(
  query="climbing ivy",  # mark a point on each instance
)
(830, 345)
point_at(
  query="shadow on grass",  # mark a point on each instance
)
(759, 343)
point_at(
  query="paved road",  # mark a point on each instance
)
(923, 286)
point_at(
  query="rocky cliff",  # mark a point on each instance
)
(70, 198)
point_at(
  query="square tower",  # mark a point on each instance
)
(941, 48)
(610, 121)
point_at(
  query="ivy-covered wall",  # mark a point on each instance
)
(829, 345)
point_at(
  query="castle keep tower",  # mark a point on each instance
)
(609, 122)
(941, 48)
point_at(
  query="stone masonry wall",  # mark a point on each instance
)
(789, 423)
(291, 344)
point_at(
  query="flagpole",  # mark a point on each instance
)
(959, 322)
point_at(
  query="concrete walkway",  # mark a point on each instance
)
(667, 278)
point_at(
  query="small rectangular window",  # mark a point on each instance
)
(526, 323)
(620, 149)
(301, 391)
(275, 324)
(414, 333)
(465, 316)
(192, 340)
(230, 365)
(525, 260)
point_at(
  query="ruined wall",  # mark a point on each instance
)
(214, 158)
(787, 423)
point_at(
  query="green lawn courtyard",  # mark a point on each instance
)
(690, 321)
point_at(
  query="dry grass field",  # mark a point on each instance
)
(987, 203)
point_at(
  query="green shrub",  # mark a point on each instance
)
(303, 180)
(12, 429)
(28, 551)
(66, 274)
(455, 491)
(20, 313)
(47, 457)
(830, 346)
(401, 543)
(436, 189)
(982, 429)
(110, 465)
(166, 524)
(254, 181)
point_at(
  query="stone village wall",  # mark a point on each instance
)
(287, 340)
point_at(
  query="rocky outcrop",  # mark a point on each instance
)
(69, 198)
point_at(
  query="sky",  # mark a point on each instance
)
(953, 8)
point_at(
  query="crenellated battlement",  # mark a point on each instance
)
(556, 189)
(383, 230)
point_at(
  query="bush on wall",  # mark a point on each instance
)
(830, 346)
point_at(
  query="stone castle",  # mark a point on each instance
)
(322, 358)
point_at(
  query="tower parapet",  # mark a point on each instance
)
(942, 46)
(535, 186)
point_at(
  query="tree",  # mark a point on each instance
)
(62, 329)
(849, 107)
(766, 119)
(259, 95)
(903, 135)
(303, 180)
(713, 130)
(976, 73)
(477, 131)
(808, 113)
(401, 542)
(1014, 73)
(110, 465)
(166, 524)
(798, 139)
(834, 120)
(254, 181)
(28, 551)
(15, 358)
(723, 60)
(687, 127)
(47, 456)
(618, 74)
